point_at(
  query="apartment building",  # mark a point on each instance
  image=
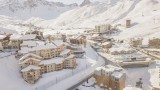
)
(118, 80)
(31, 74)
(80, 39)
(154, 42)
(16, 40)
(110, 77)
(136, 42)
(29, 44)
(36, 32)
(45, 58)
(103, 28)
(120, 50)
(106, 45)
(128, 23)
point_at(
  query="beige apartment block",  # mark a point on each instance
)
(135, 42)
(16, 40)
(106, 45)
(102, 28)
(154, 43)
(128, 23)
(44, 59)
(120, 50)
(79, 39)
(38, 33)
(110, 77)
(31, 74)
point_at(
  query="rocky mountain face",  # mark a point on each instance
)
(85, 2)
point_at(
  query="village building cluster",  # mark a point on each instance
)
(128, 57)
(149, 45)
(38, 55)
(120, 52)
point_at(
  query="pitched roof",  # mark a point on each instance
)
(57, 60)
(117, 74)
(2, 36)
(105, 43)
(29, 59)
(23, 37)
(66, 51)
(58, 42)
(70, 56)
(41, 47)
(29, 43)
(29, 54)
(30, 67)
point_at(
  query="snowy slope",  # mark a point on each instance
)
(141, 12)
(25, 9)
(90, 15)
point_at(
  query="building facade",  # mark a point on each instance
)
(45, 59)
(110, 77)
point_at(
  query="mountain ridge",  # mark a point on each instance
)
(33, 8)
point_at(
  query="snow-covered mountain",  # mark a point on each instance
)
(110, 11)
(85, 2)
(25, 9)
(141, 12)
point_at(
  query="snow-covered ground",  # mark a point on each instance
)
(69, 82)
(145, 19)
(10, 74)
(90, 85)
(149, 75)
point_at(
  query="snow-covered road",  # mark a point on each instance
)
(69, 82)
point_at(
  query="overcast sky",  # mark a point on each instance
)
(72, 1)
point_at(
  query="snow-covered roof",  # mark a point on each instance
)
(29, 54)
(95, 35)
(145, 41)
(70, 56)
(133, 55)
(57, 60)
(6, 31)
(131, 88)
(2, 36)
(109, 70)
(15, 37)
(103, 70)
(58, 42)
(36, 48)
(41, 47)
(114, 67)
(24, 50)
(23, 37)
(76, 37)
(64, 52)
(121, 48)
(30, 67)
(29, 43)
(153, 49)
(105, 43)
(117, 75)
(34, 59)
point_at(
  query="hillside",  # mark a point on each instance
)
(145, 16)
(25, 9)
(54, 17)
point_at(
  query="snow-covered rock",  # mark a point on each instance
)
(85, 2)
